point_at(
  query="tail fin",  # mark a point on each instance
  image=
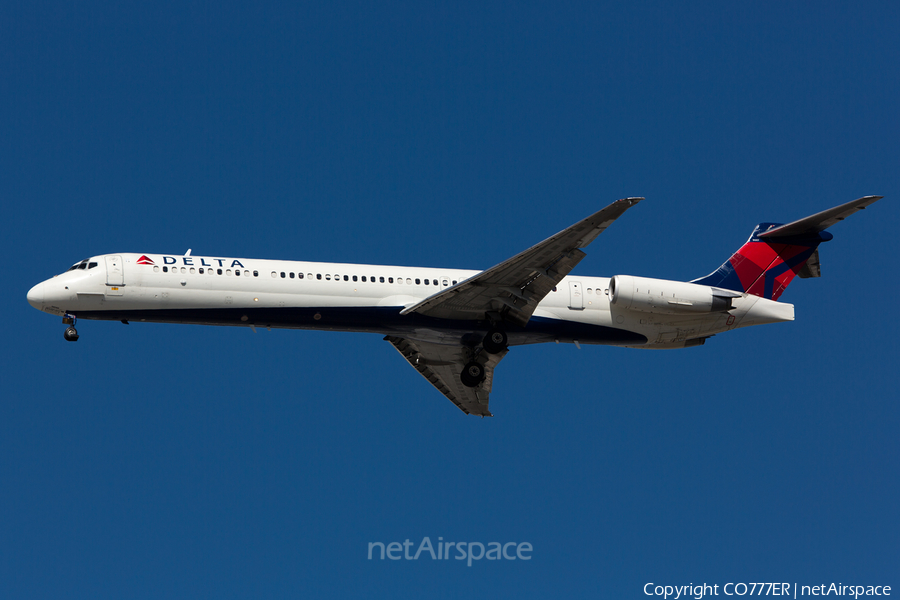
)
(774, 254)
(765, 267)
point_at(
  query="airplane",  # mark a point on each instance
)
(454, 326)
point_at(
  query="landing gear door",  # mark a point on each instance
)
(576, 296)
(115, 276)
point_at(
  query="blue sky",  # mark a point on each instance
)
(181, 461)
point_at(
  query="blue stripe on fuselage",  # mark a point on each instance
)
(381, 320)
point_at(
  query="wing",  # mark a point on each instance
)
(441, 365)
(513, 289)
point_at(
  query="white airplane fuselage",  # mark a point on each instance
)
(454, 326)
(369, 298)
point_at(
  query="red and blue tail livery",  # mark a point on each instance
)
(765, 266)
(454, 326)
(775, 253)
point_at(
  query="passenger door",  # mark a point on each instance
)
(115, 276)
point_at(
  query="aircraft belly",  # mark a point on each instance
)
(371, 319)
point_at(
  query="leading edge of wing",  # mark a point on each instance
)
(514, 287)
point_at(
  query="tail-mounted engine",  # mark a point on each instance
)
(667, 297)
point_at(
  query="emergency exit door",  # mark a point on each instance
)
(576, 296)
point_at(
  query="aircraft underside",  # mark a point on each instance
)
(380, 320)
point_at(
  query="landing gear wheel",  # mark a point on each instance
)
(472, 374)
(71, 334)
(495, 341)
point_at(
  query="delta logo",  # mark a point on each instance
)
(189, 261)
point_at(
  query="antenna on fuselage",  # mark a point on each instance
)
(188, 253)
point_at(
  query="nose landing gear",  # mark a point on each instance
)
(71, 334)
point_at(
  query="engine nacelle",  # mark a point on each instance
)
(666, 297)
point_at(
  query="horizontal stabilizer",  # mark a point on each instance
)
(820, 221)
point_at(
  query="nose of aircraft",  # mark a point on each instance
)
(36, 296)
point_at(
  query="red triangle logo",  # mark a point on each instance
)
(144, 260)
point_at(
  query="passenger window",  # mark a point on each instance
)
(246, 273)
(183, 270)
(228, 271)
(590, 291)
(299, 275)
(318, 276)
(381, 279)
(256, 273)
(282, 274)
(201, 270)
(355, 278)
(156, 269)
(408, 281)
(292, 275)
(434, 281)
(364, 278)
(165, 269)
(390, 280)
(274, 274)
(454, 282)
(192, 270)
(418, 281)
(327, 277)
(237, 272)
(219, 271)
(346, 278)
(426, 281)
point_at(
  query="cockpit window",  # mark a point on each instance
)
(78, 265)
(92, 265)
